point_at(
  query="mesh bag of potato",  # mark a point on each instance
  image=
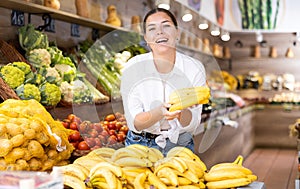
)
(30, 139)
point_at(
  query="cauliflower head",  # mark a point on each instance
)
(39, 57)
(76, 92)
(67, 72)
(28, 91)
(13, 76)
(22, 66)
(50, 94)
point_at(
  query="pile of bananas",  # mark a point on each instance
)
(186, 97)
(229, 175)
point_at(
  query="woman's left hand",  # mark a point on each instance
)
(170, 115)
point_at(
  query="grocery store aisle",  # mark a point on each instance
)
(277, 168)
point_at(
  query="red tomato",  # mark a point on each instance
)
(98, 142)
(77, 120)
(102, 139)
(118, 125)
(83, 145)
(90, 142)
(121, 137)
(112, 139)
(93, 133)
(75, 144)
(98, 127)
(105, 133)
(75, 136)
(124, 128)
(73, 126)
(110, 117)
(112, 125)
(112, 132)
(71, 117)
(65, 124)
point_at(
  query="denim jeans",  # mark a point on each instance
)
(185, 139)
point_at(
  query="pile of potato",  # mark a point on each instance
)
(30, 139)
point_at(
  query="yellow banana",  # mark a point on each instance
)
(252, 177)
(190, 186)
(168, 173)
(229, 183)
(194, 167)
(100, 184)
(239, 160)
(104, 152)
(172, 162)
(188, 175)
(155, 155)
(75, 170)
(223, 175)
(231, 167)
(134, 161)
(191, 91)
(88, 162)
(73, 182)
(139, 180)
(110, 178)
(155, 181)
(113, 168)
(135, 169)
(128, 152)
(181, 181)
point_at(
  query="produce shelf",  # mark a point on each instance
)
(33, 8)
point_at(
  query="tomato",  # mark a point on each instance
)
(73, 126)
(121, 137)
(112, 132)
(65, 124)
(98, 142)
(83, 145)
(105, 133)
(102, 139)
(110, 117)
(112, 125)
(112, 139)
(124, 128)
(98, 127)
(75, 136)
(90, 141)
(118, 125)
(93, 133)
(77, 120)
(75, 144)
(71, 117)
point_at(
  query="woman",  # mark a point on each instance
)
(148, 80)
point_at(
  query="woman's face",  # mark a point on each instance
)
(160, 33)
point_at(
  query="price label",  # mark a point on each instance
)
(17, 18)
(75, 32)
(50, 25)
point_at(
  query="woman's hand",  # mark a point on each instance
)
(170, 115)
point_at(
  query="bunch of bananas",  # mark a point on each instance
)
(229, 80)
(136, 155)
(106, 175)
(229, 175)
(186, 97)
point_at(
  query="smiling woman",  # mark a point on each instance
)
(149, 79)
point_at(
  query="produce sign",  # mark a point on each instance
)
(111, 131)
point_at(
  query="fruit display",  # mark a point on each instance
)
(111, 131)
(31, 140)
(137, 167)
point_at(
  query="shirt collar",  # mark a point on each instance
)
(178, 69)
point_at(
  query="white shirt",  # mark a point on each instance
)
(143, 88)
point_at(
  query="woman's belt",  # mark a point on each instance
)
(146, 135)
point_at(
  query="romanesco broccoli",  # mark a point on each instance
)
(50, 94)
(13, 76)
(22, 66)
(28, 91)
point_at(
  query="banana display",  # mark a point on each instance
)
(186, 97)
(141, 167)
(229, 175)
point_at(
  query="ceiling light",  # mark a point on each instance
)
(165, 4)
(225, 36)
(187, 16)
(203, 25)
(215, 31)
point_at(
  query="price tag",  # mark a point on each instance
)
(17, 18)
(51, 25)
(75, 32)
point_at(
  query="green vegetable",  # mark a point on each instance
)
(56, 54)
(49, 74)
(28, 91)
(50, 94)
(12, 75)
(30, 38)
(22, 66)
(34, 78)
(67, 72)
(39, 57)
(76, 92)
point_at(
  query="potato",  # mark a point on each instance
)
(18, 140)
(13, 129)
(23, 164)
(37, 125)
(5, 147)
(35, 149)
(29, 134)
(52, 154)
(14, 154)
(35, 164)
(42, 138)
(3, 129)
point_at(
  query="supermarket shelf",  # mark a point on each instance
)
(33, 8)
